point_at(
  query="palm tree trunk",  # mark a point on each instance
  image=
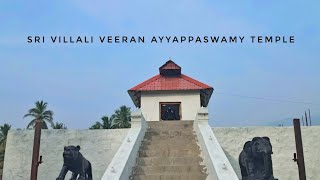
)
(36, 149)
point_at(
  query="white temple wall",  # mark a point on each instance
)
(98, 146)
(150, 103)
(283, 144)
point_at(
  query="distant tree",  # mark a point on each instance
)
(3, 133)
(121, 118)
(4, 129)
(59, 126)
(106, 123)
(40, 113)
(95, 126)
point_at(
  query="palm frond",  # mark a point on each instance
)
(121, 117)
(40, 112)
(41, 106)
(31, 124)
(50, 121)
(30, 115)
(44, 125)
(34, 111)
(48, 113)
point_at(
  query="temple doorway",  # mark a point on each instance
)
(170, 111)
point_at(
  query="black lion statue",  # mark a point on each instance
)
(74, 161)
(255, 160)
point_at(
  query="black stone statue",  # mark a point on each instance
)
(74, 161)
(255, 160)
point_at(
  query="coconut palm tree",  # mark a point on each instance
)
(40, 113)
(59, 126)
(3, 133)
(106, 123)
(121, 118)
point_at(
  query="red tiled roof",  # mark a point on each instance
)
(162, 83)
(170, 79)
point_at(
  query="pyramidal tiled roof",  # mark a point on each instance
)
(162, 83)
(170, 78)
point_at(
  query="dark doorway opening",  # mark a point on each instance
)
(170, 111)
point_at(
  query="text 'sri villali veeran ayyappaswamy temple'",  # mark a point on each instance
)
(169, 138)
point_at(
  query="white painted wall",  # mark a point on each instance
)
(190, 103)
(98, 146)
(283, 143)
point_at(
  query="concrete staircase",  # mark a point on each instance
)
(169, 151)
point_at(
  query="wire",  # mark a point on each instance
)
(269, 99)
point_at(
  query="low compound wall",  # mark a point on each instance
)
(98, 146)
(283, 144)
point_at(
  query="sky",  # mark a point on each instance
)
(255, 84)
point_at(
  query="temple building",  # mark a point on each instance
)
(170, 95)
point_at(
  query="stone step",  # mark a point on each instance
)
(169, 170)
(170, 177)
(168, 161)
(165, 145)
(169, 146)
(157, 132)
(170, 125)
(167, 150)
(166, 137)
(170, 142)
(169, 128)
(168, 153)
(171, 122)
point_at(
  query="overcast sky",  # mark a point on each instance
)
(255, 84)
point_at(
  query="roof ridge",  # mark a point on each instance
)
(168, 62)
